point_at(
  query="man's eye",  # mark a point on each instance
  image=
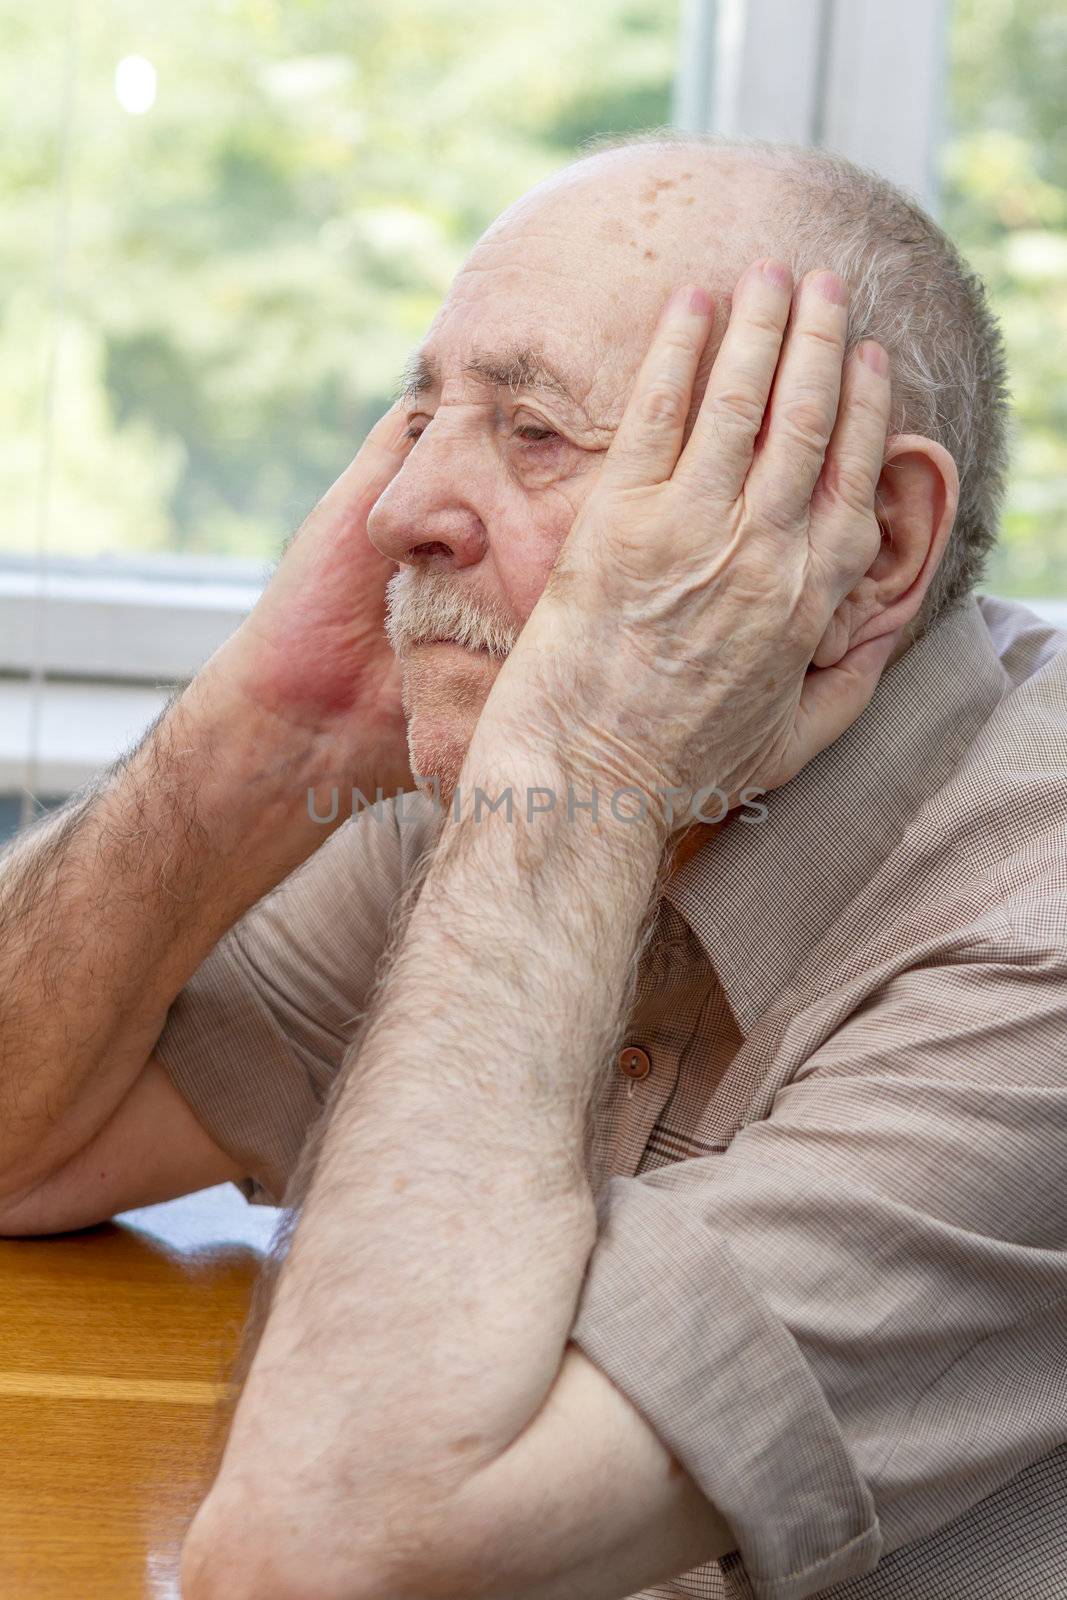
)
(413, 432)
(535, 435)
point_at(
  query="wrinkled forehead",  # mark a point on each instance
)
(580, 267)
(537, 313)
(518, 318)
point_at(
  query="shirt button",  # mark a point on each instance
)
(634, 1062)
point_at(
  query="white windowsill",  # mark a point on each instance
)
(117, 644)
(84, 727)
(115, 636)
(144, 622)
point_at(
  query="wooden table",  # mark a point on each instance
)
(114, 1343)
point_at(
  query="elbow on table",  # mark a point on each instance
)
(236, 1550)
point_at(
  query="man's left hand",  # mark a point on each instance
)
(672, 647)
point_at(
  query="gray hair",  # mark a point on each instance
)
(912, 291)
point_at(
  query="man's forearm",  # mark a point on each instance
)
(422, 1313)
(107, 908)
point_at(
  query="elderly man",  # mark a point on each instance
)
(669, 1095)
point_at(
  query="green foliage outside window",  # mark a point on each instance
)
(251, 260)
(1004, 180)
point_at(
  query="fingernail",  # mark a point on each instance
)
(831, 287)
(778, 273)
(699, 301)
(875, 357)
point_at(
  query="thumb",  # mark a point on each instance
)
(378, 460)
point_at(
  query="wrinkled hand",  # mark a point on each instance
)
(313, 651)
(671, 647)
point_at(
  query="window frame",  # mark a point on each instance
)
(788, 69)
(143, 620)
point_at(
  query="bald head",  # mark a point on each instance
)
(610, 237)
(641, 217)
(648, 211)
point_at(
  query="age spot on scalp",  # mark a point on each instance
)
(651, 192)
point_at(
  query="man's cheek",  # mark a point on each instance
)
(528, 554)
(569, 498)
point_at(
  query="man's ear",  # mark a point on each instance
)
(918, 492)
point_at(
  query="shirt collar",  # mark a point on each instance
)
(759, 895)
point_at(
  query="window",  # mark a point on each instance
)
(262, 205)
(1004, 187)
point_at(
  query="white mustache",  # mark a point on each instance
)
(422, 604)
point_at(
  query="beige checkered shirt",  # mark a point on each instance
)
(831, 1269)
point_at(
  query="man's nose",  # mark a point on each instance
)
(430, 511)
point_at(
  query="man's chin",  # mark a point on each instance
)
(437, 748)
(445, 690)
(438, 777)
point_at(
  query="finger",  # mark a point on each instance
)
(376, 462)
(646, 444)
(849, 480)
(720, 449)
(803, 405)
(389, 433)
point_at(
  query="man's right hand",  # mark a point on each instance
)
(313, 652)
(109, 906)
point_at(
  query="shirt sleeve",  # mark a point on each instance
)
(258, 1033)
(850, 1325)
